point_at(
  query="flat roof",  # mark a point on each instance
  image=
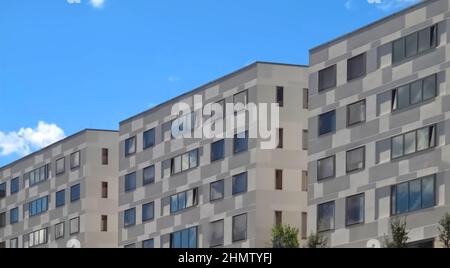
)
(55, 144)
(209, 84)
(372, 25)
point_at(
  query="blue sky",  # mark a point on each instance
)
(66, 65)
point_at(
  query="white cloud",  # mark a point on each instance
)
(74, 1)
(97, 3)
(26, 140)
(349, 4)
(173, 79)
(387, 5)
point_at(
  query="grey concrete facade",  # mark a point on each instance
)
(258, 202)
(383, 122)
(82, 161)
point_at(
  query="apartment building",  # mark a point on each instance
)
(380, 129)
(64, 195)
(216, 192)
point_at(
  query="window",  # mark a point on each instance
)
(60, 166)
(104, 190)
(355, 210)
(305, 181)
(241, 97)
(278, 179)
(74, 226)
(217, 190)
(356, 67)
(129, 217)
(3, 190)
(130, 246)
(240, 142)
(305, 139)
(356, 113)
(216, 234)
(413, 142)
(2, 219)
(149, 175)
(130, 146)
(327, 78)
(306, 98)
(414, 195)
(184, 200)
(422, 244)
(14, 216)
(326, 168)
(75, 160)
(149, 138)
(184, 162)
(148, 212)
(325, 217)
(414, 93)
(150, 243)
(14, 186)
(184, 239)
(104, 224)
(327, 123)
(14, 243)
(183, 125)
(240, 183)
(59, 230)
(75, 193)
(280, 96)
(130, 182)
(105, 156)
(278, 218)
(240, 228)
(35, 239)
(2, 244)
(304, 233)
(60, 198)
(217, 150)
(280, 138)
(38, 206)
(414, 44)
(356, 159)
(38, 175)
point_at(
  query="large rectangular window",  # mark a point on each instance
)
(130, 146)
(239, 232)
(14, 186)
(74, 225)
(148, 212)
(59, 230)
(280, 96)
(325, 217)
(240, 183)
(60, 198)
(327, 123)
(356, 67)
(240, 143)
(3, 190)
(184, 239)
(356, 159)
(356, 113)
(184, 162)
(217, 150)
(35, 239)
(326, 168)
(149, 175)
(184, 200)
(130, 182)
(217, 190)
(14, 215)
(75, 160)
(216, 234)
(413, 142)
(150, 243)
(38, 206)
(149, 138)
(414, 44)
(414, 93)
(129, 217)
(60, 166)
(38, 175)
(75, 192)
(327, 78)
(355, 210)
(413, 195)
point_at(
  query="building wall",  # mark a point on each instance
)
(260, 80)
(380, 172)
(89, 175)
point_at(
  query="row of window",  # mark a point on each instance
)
(405, 197)
(402, 49)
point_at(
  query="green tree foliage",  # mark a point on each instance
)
(284, 236)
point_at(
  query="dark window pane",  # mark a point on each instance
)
(355, 159)
(428, 192)
(148, 243)
(326, 168)
(327, 123)
(149, 138)
(75, 193)
(129, 217)
(241, 142)
(217, 190)
(402, 198)
(280, 96)
(240, 228)
(217, 150)
(240, 183)
(415, 196)
(397, 147)
(398, 50)
(356, 113)
(130, 146)
(355, 209)
(148, 211)
(403, 97)
(325, 217)
(429, 87)
(149, 175)
(61, 198)
(3, 190)
(130, 182)
(356, 67)
(416, 92)
(411, 45)
(327, 78)
(15, 186)
(425, 41)
(410, 143)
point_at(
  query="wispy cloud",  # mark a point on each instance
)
(348, 4)
(26, 140)
(97, 3)
(388, 5)
(173, 79)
